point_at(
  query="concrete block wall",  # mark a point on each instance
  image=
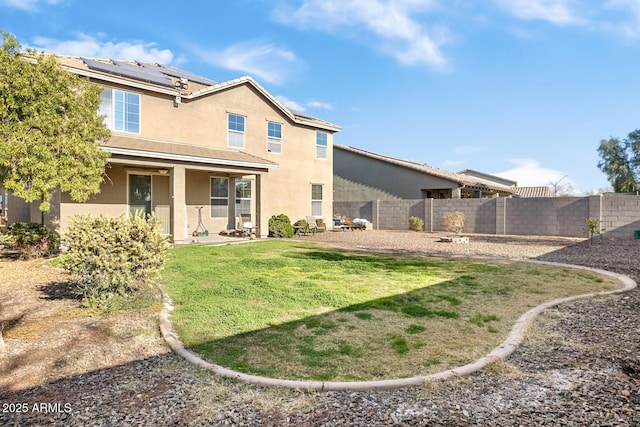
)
(620, 215)
(394, 215)
(550, 216)
(479, 214)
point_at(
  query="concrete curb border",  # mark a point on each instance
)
(501, 352)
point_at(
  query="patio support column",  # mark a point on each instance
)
(260, 230)
(231, 216)
(178, 205)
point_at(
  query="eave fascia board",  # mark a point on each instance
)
(250, 80)
(184, 158)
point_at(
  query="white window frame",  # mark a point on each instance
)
(240, 198)
(317, 204)
(235, 135)
(274, 142)
(322, 145)
(109, 99)
(224, 198)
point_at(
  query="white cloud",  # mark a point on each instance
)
(292, 105)
(28, 5)
(631, 28)
(555, 11)
(392, 24)
(86, 45)
(264, 61)
(21, 4)
(529, 173)
(320, 105)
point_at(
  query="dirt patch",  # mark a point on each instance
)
(48, 335)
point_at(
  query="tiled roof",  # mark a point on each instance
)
(542, 191)
(183, 152)
(461, 179)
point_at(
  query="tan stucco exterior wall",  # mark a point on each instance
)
(285, 189)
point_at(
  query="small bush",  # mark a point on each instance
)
(30, 240)
(454, 221)
(299, 223)
(594, 227)
(280, 226)
(7, 241)
(114, 256)
(416, 223)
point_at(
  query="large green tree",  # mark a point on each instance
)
(620, 160)
(49, 128)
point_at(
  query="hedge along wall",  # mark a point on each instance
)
(545, 216)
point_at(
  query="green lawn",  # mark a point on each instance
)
(300, 310)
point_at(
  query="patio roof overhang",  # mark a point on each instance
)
(197, 156)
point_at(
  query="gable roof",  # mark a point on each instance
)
(162, 79)
(462, 180)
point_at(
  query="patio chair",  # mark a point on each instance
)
(351, 225)
(312, 225)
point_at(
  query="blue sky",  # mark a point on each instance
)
(524, 89)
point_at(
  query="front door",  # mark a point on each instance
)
(150, 193)
(140, 194)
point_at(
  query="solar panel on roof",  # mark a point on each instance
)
(179, 73)
(136, 71)
(124, 69)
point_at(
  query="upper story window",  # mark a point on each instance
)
(321, 145)
(121, 110)
(274, 137)
(235, 131)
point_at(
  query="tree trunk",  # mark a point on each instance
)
(2, 346)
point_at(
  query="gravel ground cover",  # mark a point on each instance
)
(579, 366)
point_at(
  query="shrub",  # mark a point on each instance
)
(302, 226)
(321, 225)
(30, 240)
(416, 223)
(280, 226)
(114, 256)
(454, 221)
(593, 225)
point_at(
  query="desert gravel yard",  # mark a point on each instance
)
(580, 364)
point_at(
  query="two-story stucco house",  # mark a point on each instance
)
(188, 148)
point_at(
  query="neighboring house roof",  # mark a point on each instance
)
(162, 79)
(463, 180)
(489, 177)
(182, 152)
(542, 191)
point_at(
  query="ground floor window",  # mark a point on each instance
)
(219, 197)
(243, 196)
(316, 200)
